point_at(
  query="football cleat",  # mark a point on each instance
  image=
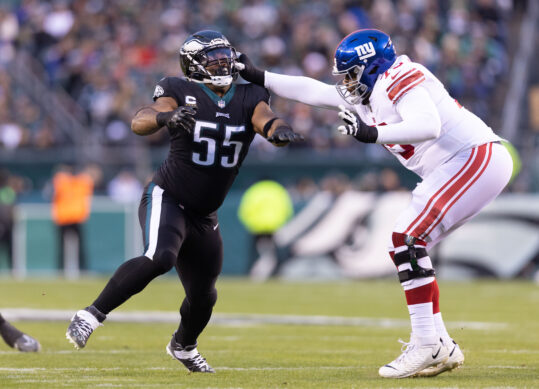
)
(454, 361)
(83, 323)
(17, 339)
(189, 356)
(26, 344)
(414, 358)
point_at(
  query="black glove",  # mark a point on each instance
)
(180, 118)
(355, 127)
(250, 72)
(284, 135)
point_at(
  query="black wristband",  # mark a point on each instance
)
(162, 118)
(267, 126)
(367, 134)
(258, 77)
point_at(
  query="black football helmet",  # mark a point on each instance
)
(207, 57)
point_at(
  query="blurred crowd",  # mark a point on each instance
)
(108, 56)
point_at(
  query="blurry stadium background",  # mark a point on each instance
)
(72, 74)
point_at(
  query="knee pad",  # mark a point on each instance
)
(414, 249)
(164, 260)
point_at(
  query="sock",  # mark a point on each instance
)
(2, 320)
(195, 314)
(436, 299)
(100, 316)
(9, 333)
(440, 328)
(419, 300)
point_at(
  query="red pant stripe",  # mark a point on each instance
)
(482, 165)
(442, 188)
(444, 201)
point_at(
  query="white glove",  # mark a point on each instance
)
(351, 126)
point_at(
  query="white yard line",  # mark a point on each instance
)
(239, 319)
(40, 370)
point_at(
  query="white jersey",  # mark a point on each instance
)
(428, 131)
(460, 129)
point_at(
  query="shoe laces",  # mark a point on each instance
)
(85, 327)
(199, 361)
(405, 348)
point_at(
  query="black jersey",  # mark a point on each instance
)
(201, 166)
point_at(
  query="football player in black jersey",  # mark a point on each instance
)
(211, 122)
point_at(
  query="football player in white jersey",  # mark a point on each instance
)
(388, 99)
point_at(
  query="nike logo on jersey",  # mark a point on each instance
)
(437, 352)
(215, 226)
(396, 75)
(226, 115)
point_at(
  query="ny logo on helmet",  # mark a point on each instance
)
(365, 51)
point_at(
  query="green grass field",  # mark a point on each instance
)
(497, 325)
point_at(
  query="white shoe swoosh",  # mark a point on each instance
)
(215, 226)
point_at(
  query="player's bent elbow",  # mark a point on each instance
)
(432, 126)
(137, 126)
(434, 131)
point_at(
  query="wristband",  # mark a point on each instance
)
(162, 118)
(267, 126)
(367, 134)
(258, 77)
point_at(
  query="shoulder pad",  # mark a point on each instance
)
(400, 79)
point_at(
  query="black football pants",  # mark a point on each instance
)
(173, 237)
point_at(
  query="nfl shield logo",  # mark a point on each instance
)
(221, 104)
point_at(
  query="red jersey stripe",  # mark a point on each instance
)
(405, 83)
(399, 79)
(407, 88)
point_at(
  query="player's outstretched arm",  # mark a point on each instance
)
(275, 130)
(298, 88)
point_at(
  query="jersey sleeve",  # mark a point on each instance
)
(305, 90)
(420, 120)
(403, 82)
(258, 94)
(168, 87)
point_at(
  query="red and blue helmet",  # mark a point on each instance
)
(361, 57)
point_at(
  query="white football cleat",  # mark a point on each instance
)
(454, 361)
(414, 358)
(81, 327)
(189, 356)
